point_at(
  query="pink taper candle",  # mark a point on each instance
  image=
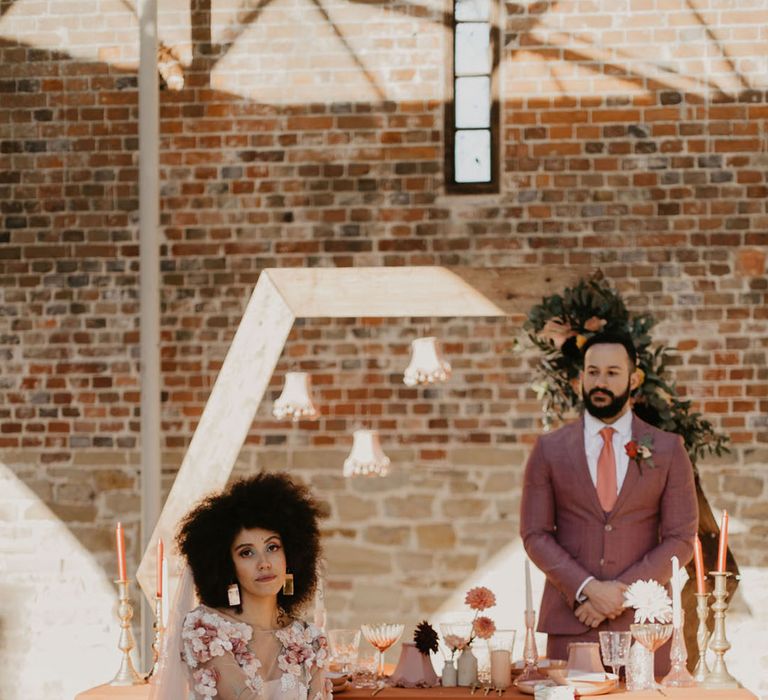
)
(698, 560)
(722, 548)
(528, 592)
(159, 568)
(120, 539)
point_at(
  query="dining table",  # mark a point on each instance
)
(513, 693)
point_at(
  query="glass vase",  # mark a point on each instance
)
(678, 676)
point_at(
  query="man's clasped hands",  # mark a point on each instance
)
(605, 599)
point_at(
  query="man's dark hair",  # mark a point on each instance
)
(612, 338)
(267, 501)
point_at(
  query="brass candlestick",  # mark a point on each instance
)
(126, 674)
(719, 677)
(531, 671)
(701, 671)
(157, 642)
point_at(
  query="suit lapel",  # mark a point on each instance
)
(633, 470)
(575, 450)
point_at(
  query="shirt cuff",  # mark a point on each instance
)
(580, 598)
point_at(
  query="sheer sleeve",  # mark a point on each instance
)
(320, 687)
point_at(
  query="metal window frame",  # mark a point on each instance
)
(493, 185)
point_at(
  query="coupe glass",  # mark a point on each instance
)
(614, 648)
(382, 637)
(651, 635)
(344, 643)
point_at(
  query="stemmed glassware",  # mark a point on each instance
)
(651, 635)
(382, 637)
(614, 648)
(456, 635)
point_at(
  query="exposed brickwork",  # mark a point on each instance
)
(315, 139)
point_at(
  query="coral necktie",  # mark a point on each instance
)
(606, 472)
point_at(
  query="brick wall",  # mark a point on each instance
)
(633, 139)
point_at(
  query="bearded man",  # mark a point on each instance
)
(607, 500)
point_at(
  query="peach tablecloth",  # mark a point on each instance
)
(141, 692)
(514, 694)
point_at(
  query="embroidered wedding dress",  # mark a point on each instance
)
(229, 660)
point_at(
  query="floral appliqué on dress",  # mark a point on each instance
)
(206, 635)
(303, 646)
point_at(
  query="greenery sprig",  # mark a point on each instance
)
(562, 323)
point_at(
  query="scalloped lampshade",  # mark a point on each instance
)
(295, 401)
(366, 457)
(427, 365)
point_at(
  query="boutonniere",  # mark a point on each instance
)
(641, 451)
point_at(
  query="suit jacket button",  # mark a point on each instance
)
(608, 527)
(602, 561)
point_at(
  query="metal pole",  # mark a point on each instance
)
(149, 286)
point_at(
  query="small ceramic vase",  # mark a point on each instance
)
(467, 667)
(449, 677)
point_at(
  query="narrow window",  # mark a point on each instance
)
(472, 115)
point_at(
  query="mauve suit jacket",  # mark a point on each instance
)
(569, 537)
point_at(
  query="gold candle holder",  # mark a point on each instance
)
(718, 677)
(531, 671)
(126, 674)
(157, 642)
(701, 671)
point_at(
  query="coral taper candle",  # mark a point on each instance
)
(159, 562)
(722, 548)
(698, 560)
(120, 539)
(528, 595)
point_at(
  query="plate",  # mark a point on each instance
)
(543, 664)
(585, 687)
(529, 688)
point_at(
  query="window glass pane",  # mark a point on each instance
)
(468, 10)
(473, 156)
(473, 54)
(473, 103)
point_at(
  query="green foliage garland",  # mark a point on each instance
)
(563, 322)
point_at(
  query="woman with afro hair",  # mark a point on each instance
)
(253, 552)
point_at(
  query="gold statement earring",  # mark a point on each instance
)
(288, 585)
(233, 595)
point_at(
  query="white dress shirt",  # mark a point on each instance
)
(593, 445)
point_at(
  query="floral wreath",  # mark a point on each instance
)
(560, 326)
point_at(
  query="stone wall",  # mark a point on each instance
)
(311, 134)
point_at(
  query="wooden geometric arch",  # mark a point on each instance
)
(283, 295)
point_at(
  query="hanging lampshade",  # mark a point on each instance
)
(427, 365)
(366, 457)
(296, 400)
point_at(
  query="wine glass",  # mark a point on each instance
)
(614, 647)
(382, 637)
